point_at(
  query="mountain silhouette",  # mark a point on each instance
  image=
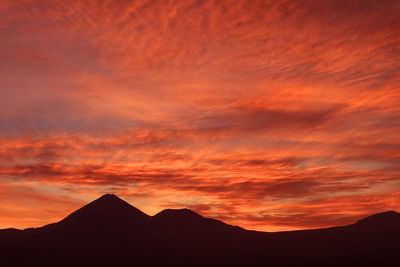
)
(108, 212)
(111, 232)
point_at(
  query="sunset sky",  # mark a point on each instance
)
(271, 115)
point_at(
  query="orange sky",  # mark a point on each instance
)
(273, 115)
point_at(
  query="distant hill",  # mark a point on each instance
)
(111, 232)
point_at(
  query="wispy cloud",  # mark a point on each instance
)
(250, 111)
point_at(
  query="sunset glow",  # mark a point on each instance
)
(271, 115)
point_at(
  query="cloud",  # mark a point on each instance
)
(256, 108)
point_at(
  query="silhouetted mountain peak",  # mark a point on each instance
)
(388, 218)
(108, 211)
(109, 197)
(109, 204)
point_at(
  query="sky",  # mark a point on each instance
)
(271, 115)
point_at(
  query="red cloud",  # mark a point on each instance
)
(251, 111)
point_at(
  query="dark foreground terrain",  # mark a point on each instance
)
(109, 231)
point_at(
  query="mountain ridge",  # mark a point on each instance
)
(113, 206)
(110, 231)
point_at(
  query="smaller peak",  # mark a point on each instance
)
(388, 213)
(178, 212)
(385, 214)
(186, 220)
(383, 218)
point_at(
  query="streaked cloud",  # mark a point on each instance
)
(260, 113)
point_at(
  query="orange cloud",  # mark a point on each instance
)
(246, 111)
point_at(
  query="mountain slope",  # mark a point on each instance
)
(388, 219)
